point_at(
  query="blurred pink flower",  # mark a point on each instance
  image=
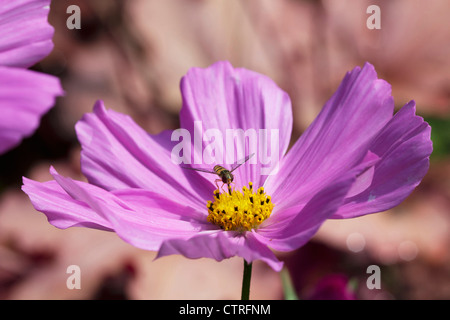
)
(356, 158)
(25, 95)
(333, 287)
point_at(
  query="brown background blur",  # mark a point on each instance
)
(132, 54)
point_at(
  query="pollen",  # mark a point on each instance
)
(239, 210)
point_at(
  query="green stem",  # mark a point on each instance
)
(245, 295)
(288, 287)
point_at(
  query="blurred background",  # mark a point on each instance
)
(132, 54)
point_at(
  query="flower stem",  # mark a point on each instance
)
(245, 295)
(288, 286)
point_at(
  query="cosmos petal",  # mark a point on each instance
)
(226, 100)
(364, 179)
(404, 146)
(294, 227)
(61, 209)
(21, 113)
(338, 138)
(143, 220)
(221, 245)
(25, 34)
(118, 154)
(291, 228)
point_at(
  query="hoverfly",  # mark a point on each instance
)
(226, 176)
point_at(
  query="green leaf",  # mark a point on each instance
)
(440, 135)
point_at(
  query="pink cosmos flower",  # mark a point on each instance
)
(356, 158)
(25, 95)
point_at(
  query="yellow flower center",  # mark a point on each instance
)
(239, 211)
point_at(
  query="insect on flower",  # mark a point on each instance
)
(356, 158)
(225, 175)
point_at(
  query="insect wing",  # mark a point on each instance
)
(241, 162)
(200, 169)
